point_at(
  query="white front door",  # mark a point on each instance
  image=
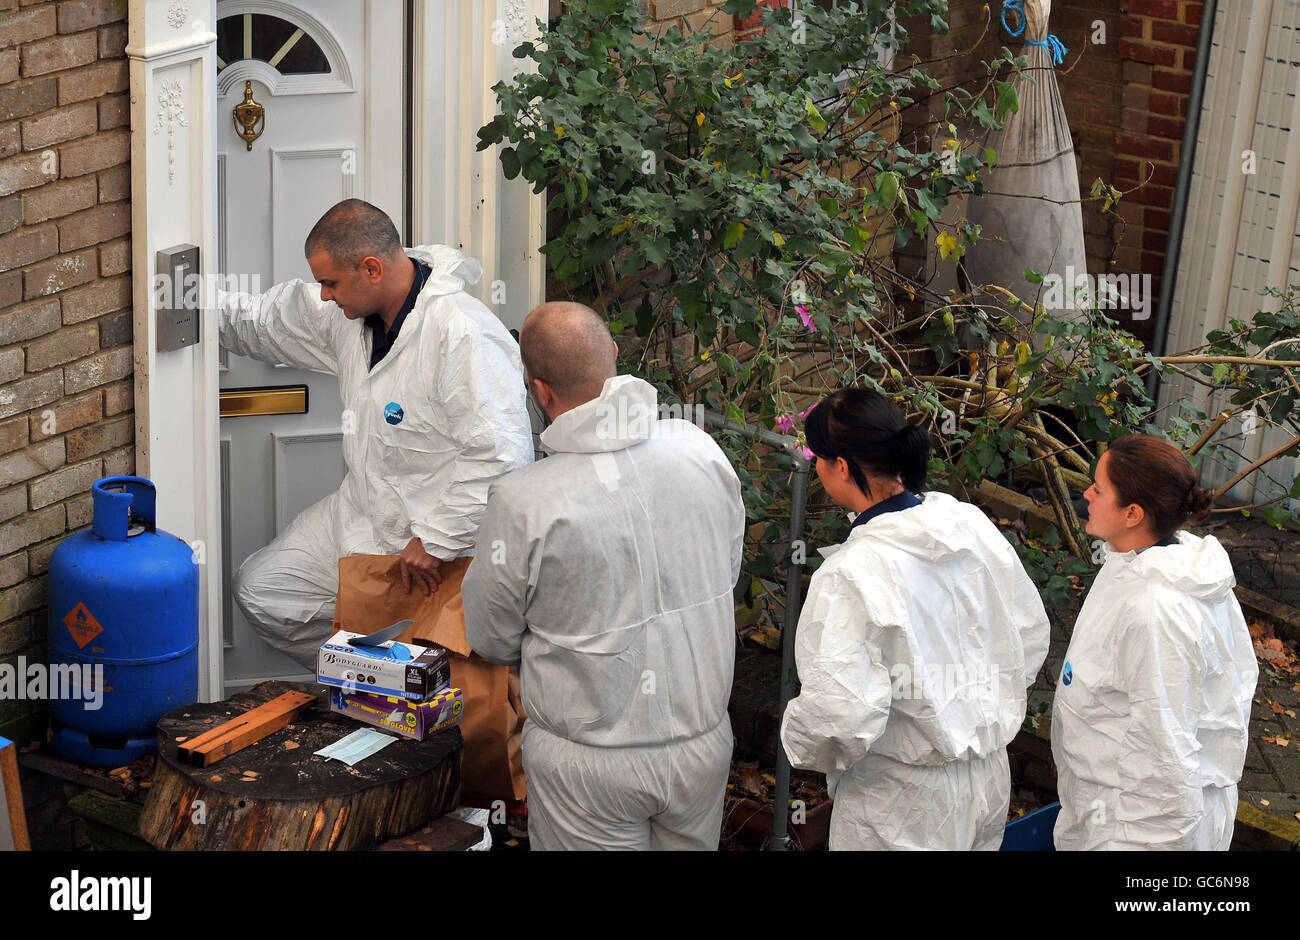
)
(314, 67)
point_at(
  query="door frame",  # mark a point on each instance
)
(172, 53)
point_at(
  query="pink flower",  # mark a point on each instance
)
(807, 454)
(806, 317)
(785, 424)
(807, 411)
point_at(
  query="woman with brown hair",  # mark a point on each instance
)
(1152, 708)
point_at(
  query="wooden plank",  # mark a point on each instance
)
(442, 835)
(236, 734)
(12, 790)
(52, 764)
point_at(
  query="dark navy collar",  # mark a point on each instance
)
(1165, 542)
(383, 337)
(899, 501)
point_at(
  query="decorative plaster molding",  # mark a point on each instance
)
(177, 13)
(171, 111)
(517, 21)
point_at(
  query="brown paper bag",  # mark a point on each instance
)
(371, 597)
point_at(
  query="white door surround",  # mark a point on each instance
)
(461, 198)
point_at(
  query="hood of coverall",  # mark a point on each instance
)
(625, 413)
(1199, 567)
(449, 270)
(930, 531)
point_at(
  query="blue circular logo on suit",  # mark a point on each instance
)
(393, 413)
(1067, 675)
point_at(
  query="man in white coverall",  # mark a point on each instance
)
(434, 385)
(604, 572)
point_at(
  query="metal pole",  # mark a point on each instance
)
(793, 601)
(1182, 187)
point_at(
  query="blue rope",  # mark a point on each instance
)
(1013, 6)
(1051, 42)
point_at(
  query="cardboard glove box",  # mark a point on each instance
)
(393, 668)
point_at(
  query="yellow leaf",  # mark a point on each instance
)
(699, 119)
(778, 239)
(911, 291)
(1022, 352)
(947, 243)
(559, 131)
(705, 355)
(621, 227)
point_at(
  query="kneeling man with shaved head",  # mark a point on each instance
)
(604, 572)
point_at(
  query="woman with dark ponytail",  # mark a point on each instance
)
(1152, 708)
(915, 646)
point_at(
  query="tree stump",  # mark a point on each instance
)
(277, 794)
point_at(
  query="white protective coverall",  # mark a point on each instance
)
(1152, 708)
(605, 573)
(460, 421)
(915, 648)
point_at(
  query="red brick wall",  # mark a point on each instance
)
(1159, 48)
(1125, 99)
(65, 295)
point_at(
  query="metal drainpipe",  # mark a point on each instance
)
(793, 601)
(1169, 274)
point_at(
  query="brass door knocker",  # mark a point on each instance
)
(250, 117)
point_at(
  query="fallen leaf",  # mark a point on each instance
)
(1269, 740)
(1265, 803)
(183, 737)
(251, 775)
(290, 745)
(749, 779)
(215, 778)
(1283, 742)
(1289, 713)
(1277, 709)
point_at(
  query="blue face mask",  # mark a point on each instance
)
(356, 746)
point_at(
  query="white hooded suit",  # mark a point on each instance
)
(915, 648)
(605, 573)
(1152, 708)
(440, 417)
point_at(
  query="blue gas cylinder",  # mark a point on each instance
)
(124, 628)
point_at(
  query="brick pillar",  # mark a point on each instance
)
(65, 296)
(1159, 51)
